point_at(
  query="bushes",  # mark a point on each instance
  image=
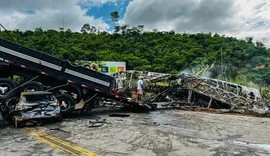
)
(166, 52)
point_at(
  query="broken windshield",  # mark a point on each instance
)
(38, 98)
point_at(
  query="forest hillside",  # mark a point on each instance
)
(240, 61)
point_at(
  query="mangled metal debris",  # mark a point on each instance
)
(237, 97)
(33, 106)
(97, 123)
(190, 92)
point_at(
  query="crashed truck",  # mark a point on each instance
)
(189, 92)
(23, 69)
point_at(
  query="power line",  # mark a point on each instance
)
(8, 33)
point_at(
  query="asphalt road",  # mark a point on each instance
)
(158, 133)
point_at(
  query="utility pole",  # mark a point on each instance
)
(221, 59)
(223, 69)
(63, 25)
(63, 21)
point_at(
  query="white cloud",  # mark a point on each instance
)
(253, 18)
(48, 14)
(240, 18)
(91, 3)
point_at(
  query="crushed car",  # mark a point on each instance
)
(36, 106)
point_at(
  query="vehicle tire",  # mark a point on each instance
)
(7, 85)
(32, 86)
(71, 89)
(67, 103)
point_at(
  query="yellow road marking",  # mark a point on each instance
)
(50, 143)
(76, 148)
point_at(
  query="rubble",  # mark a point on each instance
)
(119, 115)
(187, 91)
(96, 123)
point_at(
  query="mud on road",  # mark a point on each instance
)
(158, 133)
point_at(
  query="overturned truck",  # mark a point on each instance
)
(187, 92)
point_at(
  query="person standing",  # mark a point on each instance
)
(140, 88)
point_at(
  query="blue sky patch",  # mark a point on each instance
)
(259, 24)
(30, 12)
(103, 11)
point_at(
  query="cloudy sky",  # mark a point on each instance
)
(239, 18)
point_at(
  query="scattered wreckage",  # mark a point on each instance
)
(80, 88)
(23, 69)
(193, 92)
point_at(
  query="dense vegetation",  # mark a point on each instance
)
(231, 59)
